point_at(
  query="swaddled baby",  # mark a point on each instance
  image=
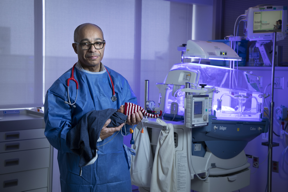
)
(120, 116)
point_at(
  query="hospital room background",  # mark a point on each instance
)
(142, 39)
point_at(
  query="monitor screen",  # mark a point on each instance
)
(267, 21)
(198, 108)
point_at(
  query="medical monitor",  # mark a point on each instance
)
(263, 21)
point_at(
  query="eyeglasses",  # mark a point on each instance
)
(87, 45)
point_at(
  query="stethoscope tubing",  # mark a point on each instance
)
(113, 98)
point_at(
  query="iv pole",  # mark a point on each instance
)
(270, 142)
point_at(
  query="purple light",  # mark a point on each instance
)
(215, 58)
(239, 119)
(224, 59)
(214, 66)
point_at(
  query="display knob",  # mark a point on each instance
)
(202, 85)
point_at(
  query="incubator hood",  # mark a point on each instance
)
(232, 94)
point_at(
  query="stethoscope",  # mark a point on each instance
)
(113, 98)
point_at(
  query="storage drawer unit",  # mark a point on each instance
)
(25, 153)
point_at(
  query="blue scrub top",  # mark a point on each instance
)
(110, 172)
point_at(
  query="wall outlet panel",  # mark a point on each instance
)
(279, 83)
(255, 162)
(275, 166)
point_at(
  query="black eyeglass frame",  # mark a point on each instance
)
(94, 44)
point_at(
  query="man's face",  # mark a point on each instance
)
(90, 57)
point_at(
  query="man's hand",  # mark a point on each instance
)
(134, 118)
(108, 131)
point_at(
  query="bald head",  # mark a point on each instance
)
(84, 26)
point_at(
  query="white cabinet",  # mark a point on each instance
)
(25, 153)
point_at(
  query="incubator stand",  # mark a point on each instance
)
(213, 147)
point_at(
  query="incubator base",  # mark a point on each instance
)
(226, 183)
(224, 174)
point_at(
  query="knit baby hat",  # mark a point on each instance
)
(131, 108)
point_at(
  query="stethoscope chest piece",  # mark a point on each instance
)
(114, 98)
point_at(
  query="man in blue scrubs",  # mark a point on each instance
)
(110, 172)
